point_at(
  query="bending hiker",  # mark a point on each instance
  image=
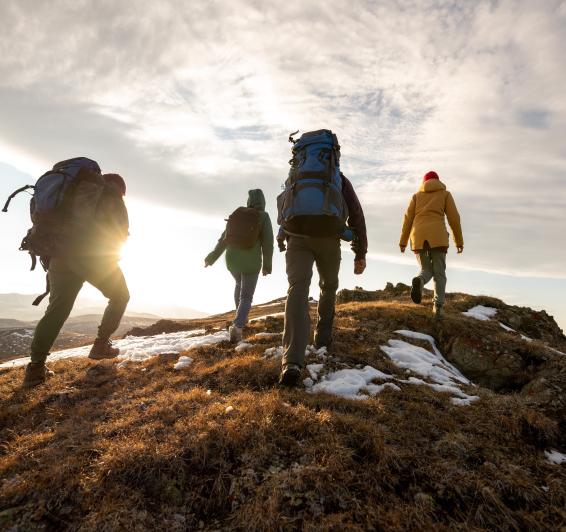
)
(424, 222)
(316, 209)
(248, 241)
(80, 222)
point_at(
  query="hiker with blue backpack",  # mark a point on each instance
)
(80, 222)
(248, 242)
(317, 209)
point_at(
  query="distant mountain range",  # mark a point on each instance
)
(19, 307)
(18, 318)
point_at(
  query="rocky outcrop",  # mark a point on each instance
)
(399, 291)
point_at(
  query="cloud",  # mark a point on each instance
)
(193, 103)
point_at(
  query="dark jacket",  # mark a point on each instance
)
(249, 261)
(318, 226)
(356, 219)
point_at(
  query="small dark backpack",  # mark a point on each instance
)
(243, 228)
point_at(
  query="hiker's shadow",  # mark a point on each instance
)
(72, 412)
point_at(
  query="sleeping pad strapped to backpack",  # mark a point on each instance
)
(312, 201)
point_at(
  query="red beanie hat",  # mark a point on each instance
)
(430, 175)
(117, 181)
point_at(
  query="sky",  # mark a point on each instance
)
(192, 102)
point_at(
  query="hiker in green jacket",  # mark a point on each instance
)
(244, 259)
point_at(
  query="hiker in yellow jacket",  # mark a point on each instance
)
(424, 223)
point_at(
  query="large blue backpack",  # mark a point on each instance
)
(314, 185)
(64, 197)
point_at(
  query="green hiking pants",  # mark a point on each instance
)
(433, 266)
(302, 253)
(66, 277)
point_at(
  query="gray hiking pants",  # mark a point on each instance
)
(302, 253)
(243, 296)
(433, 266)
(66, 278)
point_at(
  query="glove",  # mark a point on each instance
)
(281, 244)
(359, 266)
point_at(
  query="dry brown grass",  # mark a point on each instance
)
(104, 448)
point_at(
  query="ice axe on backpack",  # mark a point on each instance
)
(291, 139)
(13, 195)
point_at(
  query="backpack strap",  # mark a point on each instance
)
(41, 297)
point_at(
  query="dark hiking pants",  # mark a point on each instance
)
(243, 296)
(302, 253)
(66, 277)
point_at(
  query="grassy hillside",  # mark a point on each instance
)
(219, 445)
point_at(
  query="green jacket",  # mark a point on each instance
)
(249, 260)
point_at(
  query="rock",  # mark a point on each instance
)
(482, 365)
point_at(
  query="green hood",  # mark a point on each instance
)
(256, 199)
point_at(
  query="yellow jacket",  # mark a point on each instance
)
(424, 219)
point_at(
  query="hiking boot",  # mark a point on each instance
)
(318, 344)
(417, 290)
(36, 373)
(103, 349)
(438, 312)
(290, 375)
(235, 334)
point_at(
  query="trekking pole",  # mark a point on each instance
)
(13, 195)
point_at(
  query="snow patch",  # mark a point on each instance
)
(267, 335)
(506, 327)
(140, 348)
(352, 383)
(479, 312)
(430, 365)
(280, 350)
(421, 336)
(433, 366)
(555, 457)
(274, 352)
(314, 370)
(183, 362)
(242, 346)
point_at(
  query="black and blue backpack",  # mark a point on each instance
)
(63, 198)
(312, 202)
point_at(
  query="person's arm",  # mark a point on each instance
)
(356, 218)
(453, 217)
(212, 257)
(267, 244)
(407, 223)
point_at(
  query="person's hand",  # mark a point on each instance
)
(459, 249)
(402, 248)
(359, 266)
(265, 271)
(281, 244)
